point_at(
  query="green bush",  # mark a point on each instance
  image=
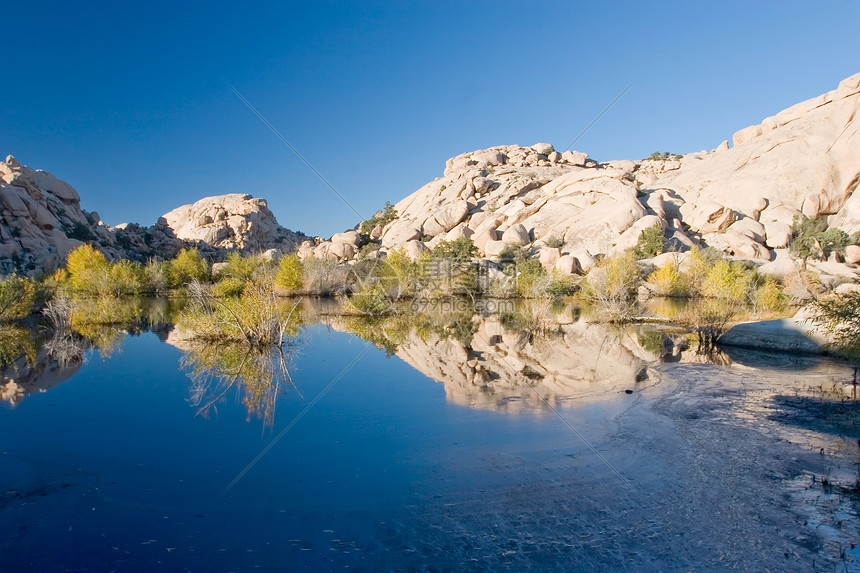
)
(460, 250)
(228, 287)
(839, 315)
(650, 243)
(16, 297)
(289, 275)
(381, 218)
(810, 238)
(239, 267)
(126, 278)
(554, 242)
(189, 265)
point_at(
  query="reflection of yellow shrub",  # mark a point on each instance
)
(372, 301)
(14, 343)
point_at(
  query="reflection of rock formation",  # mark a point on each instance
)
(40, 375)
(502, 370)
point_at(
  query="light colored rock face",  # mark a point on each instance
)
(804, 159)
(42, 220)
(233, 221)
(516, 195)
(741, 200)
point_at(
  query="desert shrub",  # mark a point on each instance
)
(158, 276)
(325, 278)
(80, 232)
(126, 278)
(289, 274)
(17, 295)
(460, 250)
(650, 243)
(657, 156)
(611, 287)
(228, 286)
(834, 240)
(381, 218)
(698, 264)
(89, 271)
(770, 297)
(530, 276)
(668, 280)
(256, 317)
(401, 276)
(367, 249)
(810, 238)
(188, 265)
(729, 280)
(240, 267)
(554, 242)
(449, 269)
(369, 301)
(839, 315)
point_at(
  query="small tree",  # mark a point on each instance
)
(89, 271)
(650, 243)
(289, 275)
(189, 265)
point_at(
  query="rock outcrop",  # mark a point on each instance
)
(564, 207)
(233, 221)
(42, 221)
(568, 209)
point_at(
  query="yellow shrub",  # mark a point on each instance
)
(770, 297)
(729, 280)
(668, 280)
(88, 270)
(289, 276)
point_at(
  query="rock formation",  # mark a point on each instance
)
(42, 221)
(233, 221)
(568, 208)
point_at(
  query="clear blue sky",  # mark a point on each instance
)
(129, 103)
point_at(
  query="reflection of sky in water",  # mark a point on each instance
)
(390, 470)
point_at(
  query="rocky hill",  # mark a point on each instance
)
(565, 207)
(233, 221)
(570, 209)
(42, 221)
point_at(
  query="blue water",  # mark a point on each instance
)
(112, 470)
